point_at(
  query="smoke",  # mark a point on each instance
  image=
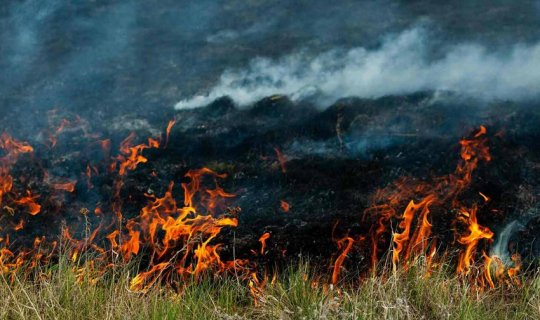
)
(21, 37)
(401, 64)
(229, 35)
(500, 248)
(58, 57)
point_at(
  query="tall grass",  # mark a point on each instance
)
(59, 292)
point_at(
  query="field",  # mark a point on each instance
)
(299, 292)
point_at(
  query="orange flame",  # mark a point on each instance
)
(131, 157)
(184, 242)
(168, 131)
(284, 205)
(282, 160)
(486, 198)
(29, 203)
(182, 236)
(345, 244)
(476, 233)
(262, 240)
(411, 240)
(65, 186)
(418, 243)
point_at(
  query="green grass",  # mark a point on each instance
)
(55, 292)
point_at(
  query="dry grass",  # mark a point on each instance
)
(57, 293)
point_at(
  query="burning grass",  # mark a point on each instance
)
(58, 292)
(423, 248)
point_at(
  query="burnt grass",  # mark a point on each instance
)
(336, 158)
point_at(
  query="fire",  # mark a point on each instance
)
(262, 240)
(30, 203)
(345, 244)
(127, 239)
(53, 137)
(131, 246)
(6, 184)
(19, 225)
(443, 193)
(179, 228)
(184, 243)
(13, 148)
(65, 186)
(256, 287)
(496, 270)
(486, 198)
(282, 160)
(414, 237)
(470, 241)
(168, 131)
(132, 156)
(285, 206)
(418, 243)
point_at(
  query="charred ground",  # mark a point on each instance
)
(326, 164)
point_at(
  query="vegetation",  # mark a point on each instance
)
(60, 292)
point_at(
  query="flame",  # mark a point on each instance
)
(19, 225)
(65, 186)
(345, 244)
(486, 198)
(13, 148)
(415, 229)
(53, 137)
(30, 203)
(168, 131)
(179, 229)
(131, 156)
(143, 281)
(262, 240)
(6, 183)
(284, 205)
(514, 271)
(184, 243)
(89, 172)
(418, 243)
(131, 246)
(470, 241)
(256, 287)
(105, 146)
(487, 270)
(282, 160)
(501, 273)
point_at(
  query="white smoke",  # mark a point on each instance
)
(401, 65)
(500, 248)
(229, 35)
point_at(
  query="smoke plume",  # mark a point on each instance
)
(402, 64)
